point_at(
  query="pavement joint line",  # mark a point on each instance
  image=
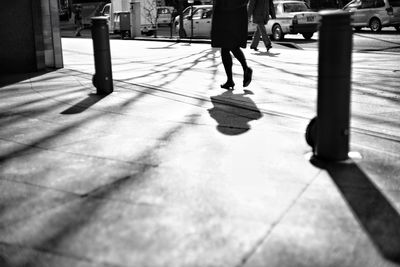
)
(264, 238)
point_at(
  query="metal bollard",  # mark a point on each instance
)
(334, 84)
(102, 79)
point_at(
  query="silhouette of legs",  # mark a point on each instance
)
(260, 32)
(227, 62)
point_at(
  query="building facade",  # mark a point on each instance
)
(30, 36)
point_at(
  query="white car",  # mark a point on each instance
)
(374, 14)
(164, 15)
(201, 26)
(293, 17)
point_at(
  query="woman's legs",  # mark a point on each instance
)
(247, 72)
(227, 62)
(238, 53)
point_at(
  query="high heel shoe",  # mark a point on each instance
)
(247, 77)
(228, 85)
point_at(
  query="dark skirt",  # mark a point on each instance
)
(229, 28)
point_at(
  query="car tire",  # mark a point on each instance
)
(375, 25)
(277, 33)
(357, 29)
(308, 35)
(397, 28)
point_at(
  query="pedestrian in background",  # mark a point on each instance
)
(260, 11)
(229, 32)
(78, 20)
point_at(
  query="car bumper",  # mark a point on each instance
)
(302, 28)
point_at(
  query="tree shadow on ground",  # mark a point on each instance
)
(373, 210)
(233, 112)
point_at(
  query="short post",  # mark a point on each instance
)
(135, 19)
(102, 79)
(334, 85)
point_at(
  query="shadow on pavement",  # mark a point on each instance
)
(233, 112)
(374, 212)
(11, 78)
(84, 104)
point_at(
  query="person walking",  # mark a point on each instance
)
(78, 20)
(229, 32)
(260, 11)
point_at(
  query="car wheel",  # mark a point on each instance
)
(308, 35)
(397, 28)
(375, 25)
(277, 33)
(357, 29)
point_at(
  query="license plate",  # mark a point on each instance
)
(310, 19)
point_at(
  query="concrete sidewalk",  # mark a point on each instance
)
(171, 170)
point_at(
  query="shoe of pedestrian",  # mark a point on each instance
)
(269, 47)
(228, 85)
(254, 48)
(247, 77)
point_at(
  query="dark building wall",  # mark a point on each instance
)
(17, 35)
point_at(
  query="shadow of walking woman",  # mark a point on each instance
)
(233, 112)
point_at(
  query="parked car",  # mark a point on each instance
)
(374, 14)
(164, 15)
(201, 17)
(293, 17)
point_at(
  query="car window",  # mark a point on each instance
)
(352, 4)
(163, 11)
(106, 10)
(367, 4)
(207, 14)
(379, 3)
(294, 7)
(394, 2)
(278, 9)
(197, 14)
(186, 12)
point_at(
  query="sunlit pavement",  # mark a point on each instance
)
(172, 170)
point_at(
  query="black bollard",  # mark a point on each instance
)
(102, 79)
(334, 85)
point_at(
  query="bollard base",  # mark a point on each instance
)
(103, 87)
(311, 133)
(324, 152)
